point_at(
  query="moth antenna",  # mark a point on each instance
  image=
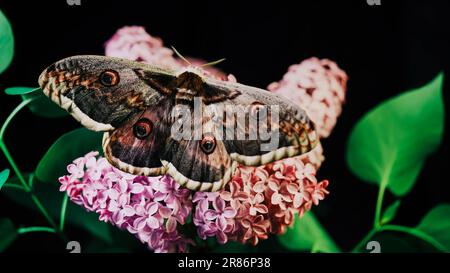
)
(213, 63)
(181, 56)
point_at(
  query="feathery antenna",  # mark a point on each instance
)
(213, 63)
(189, 63)
(181, 56)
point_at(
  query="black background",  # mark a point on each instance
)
(384, 49)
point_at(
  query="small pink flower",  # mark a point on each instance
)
(214, 216)
(76, 169)
(255, 229)
(221, 213)
(319, 192)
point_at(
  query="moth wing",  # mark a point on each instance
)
(286, 131)
(192, 167)
(188, 163)
(161, 152)
(140, 156)
(76, 85)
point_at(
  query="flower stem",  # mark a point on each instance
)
(377, 227)
(364, 241)
(43, 210)
(14, 186)
(25, 186)
(62, 217)
(417, 233)
(35, 229)
(376, 223)
(3, 146)
(383, 185)
(407, 230)
(379, 205)
(31, 180)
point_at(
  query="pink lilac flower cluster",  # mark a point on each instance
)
(318, 86)
(257, 201)
(134, 43)
(149, 207)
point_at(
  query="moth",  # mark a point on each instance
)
(133, 104)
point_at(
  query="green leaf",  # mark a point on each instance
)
(7, 233)
(6, 43)
(89, 221)
(390, 212)
(398, 242)
(437, 224)
(68, 147)
(20, 90)
(307, 234)
(391, 142)
(51, 197)
(41, 105)
(3, 177)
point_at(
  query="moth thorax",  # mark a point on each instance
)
(189, 80)
(189, 85)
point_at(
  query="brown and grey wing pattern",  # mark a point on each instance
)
(192, 168)
(201, 163)
(134, 102)
(197, 167)
(291, 131)
(138, 145)
(209, 169)
(102, 92)
(145, 145)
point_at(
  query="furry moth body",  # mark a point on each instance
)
(133, 103)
